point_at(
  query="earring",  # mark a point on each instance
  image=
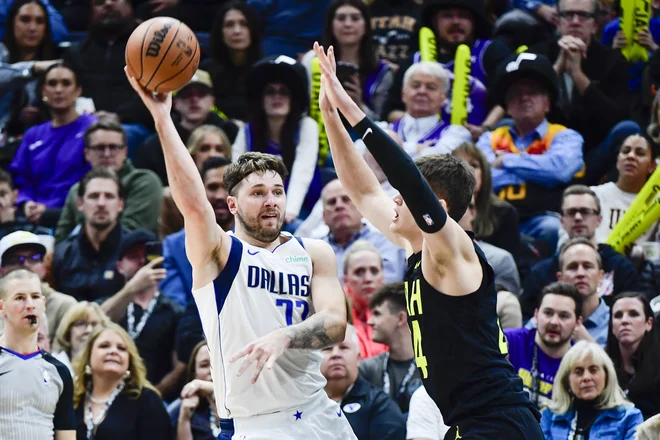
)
(45, 99)
(88, 370)
(127, 375)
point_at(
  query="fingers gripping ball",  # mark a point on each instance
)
(163, 54)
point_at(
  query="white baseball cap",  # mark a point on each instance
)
(19, 238)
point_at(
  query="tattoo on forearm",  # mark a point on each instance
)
(311, 334)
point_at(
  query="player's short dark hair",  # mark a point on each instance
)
(5, 177)
(213, 163)
(451, 179)
(19, 273)
(252, 162)
(563, 289)
(104, 123)
(574, 242)
(100, 173)
(393, 295)
(578, 190)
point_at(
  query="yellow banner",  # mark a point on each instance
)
(461, 88)
(427, 47)
(636, 16)
(315, 112)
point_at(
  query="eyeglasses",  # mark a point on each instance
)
(584, 212)
(272, 91)
(581, 15)
(20, 260)
(100, 148)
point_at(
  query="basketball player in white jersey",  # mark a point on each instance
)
(267, 301)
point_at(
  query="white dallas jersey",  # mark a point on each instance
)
(257, 292)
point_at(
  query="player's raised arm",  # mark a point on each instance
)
(186, 185)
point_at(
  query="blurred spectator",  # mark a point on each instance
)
(370, 411)
(42, 187)
(208, 141)
(649, 430)
(495, 220)
(581, 215)
(56, 24)
(545, 10)
(11, 219)
(36, 388)
(194, 106)
(277, 98)
(110, 381)
(85, 264)
(365, 77)
(290, 27)
(196, 14)
(195, 417)
(79, 322)
(394, 25)
(149, 317)
(456, 22)
(235, 41)
(75, 13)
(393, 371)
(424, 420)
(593, 93)
(24, 249)
(633, 344)
(346, 226)
(100, 58)
(105, 146)
(170, 220)
(43, 339)
(537, 353)
(532, 160)
(363, 276)
(425, 88)
(178, 283)
(26, 51)
(587, 400)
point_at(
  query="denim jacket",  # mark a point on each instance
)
(618, 423)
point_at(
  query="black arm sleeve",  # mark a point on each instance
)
(403, 175)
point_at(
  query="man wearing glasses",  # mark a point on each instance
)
(594, 97)
(105, 146)
(24, 249)
(581, 216)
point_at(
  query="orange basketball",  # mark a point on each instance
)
(163, 54)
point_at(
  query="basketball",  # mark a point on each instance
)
(163, 54)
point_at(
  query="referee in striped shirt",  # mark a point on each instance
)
(36, 390)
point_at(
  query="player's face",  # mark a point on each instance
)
(629, 324)
(339, 212)
(24, 256)
(212, 146)
(580, 268)
(260, 206)
(587, 379)
(80, 330)
(101, 205)
(556, 320)
(580, 215)
(106, 149)
(22, 301)
(455, 25)
(217, 194)
(635, 159)
(109, 354)
(348, 25)
(403, 222)
(30, 26)
(235, 31)
(383, 322)
(60, 89)
(364, 275)
(203, 364)
(277, 100)
(423, 95)
(341, 361)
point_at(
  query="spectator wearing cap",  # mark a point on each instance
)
(456, 22)
(11, 219)
(25, 249)
(532, 160)
(149, 317)
(194, 107)
(105, 146)
(84, 265)
(277, 97)
(594, 96)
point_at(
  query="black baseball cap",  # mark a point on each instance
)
(138, 236)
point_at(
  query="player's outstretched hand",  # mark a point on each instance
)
(159, 104)
(334, 90)
(265, 350)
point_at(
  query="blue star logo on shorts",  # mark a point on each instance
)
(298, 415)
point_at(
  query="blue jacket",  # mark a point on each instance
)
(57, 25)
(177, 285)
(618, 423)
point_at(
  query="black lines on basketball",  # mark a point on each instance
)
(192, 58)
(144, 38)
(164, 55)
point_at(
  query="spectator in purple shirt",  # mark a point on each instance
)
(537, 353)
(50, 158)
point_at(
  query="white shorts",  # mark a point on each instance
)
(320, 419)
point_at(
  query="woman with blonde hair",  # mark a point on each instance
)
(587, 401)
(74, 329)
(112, 397)
(208, 141)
